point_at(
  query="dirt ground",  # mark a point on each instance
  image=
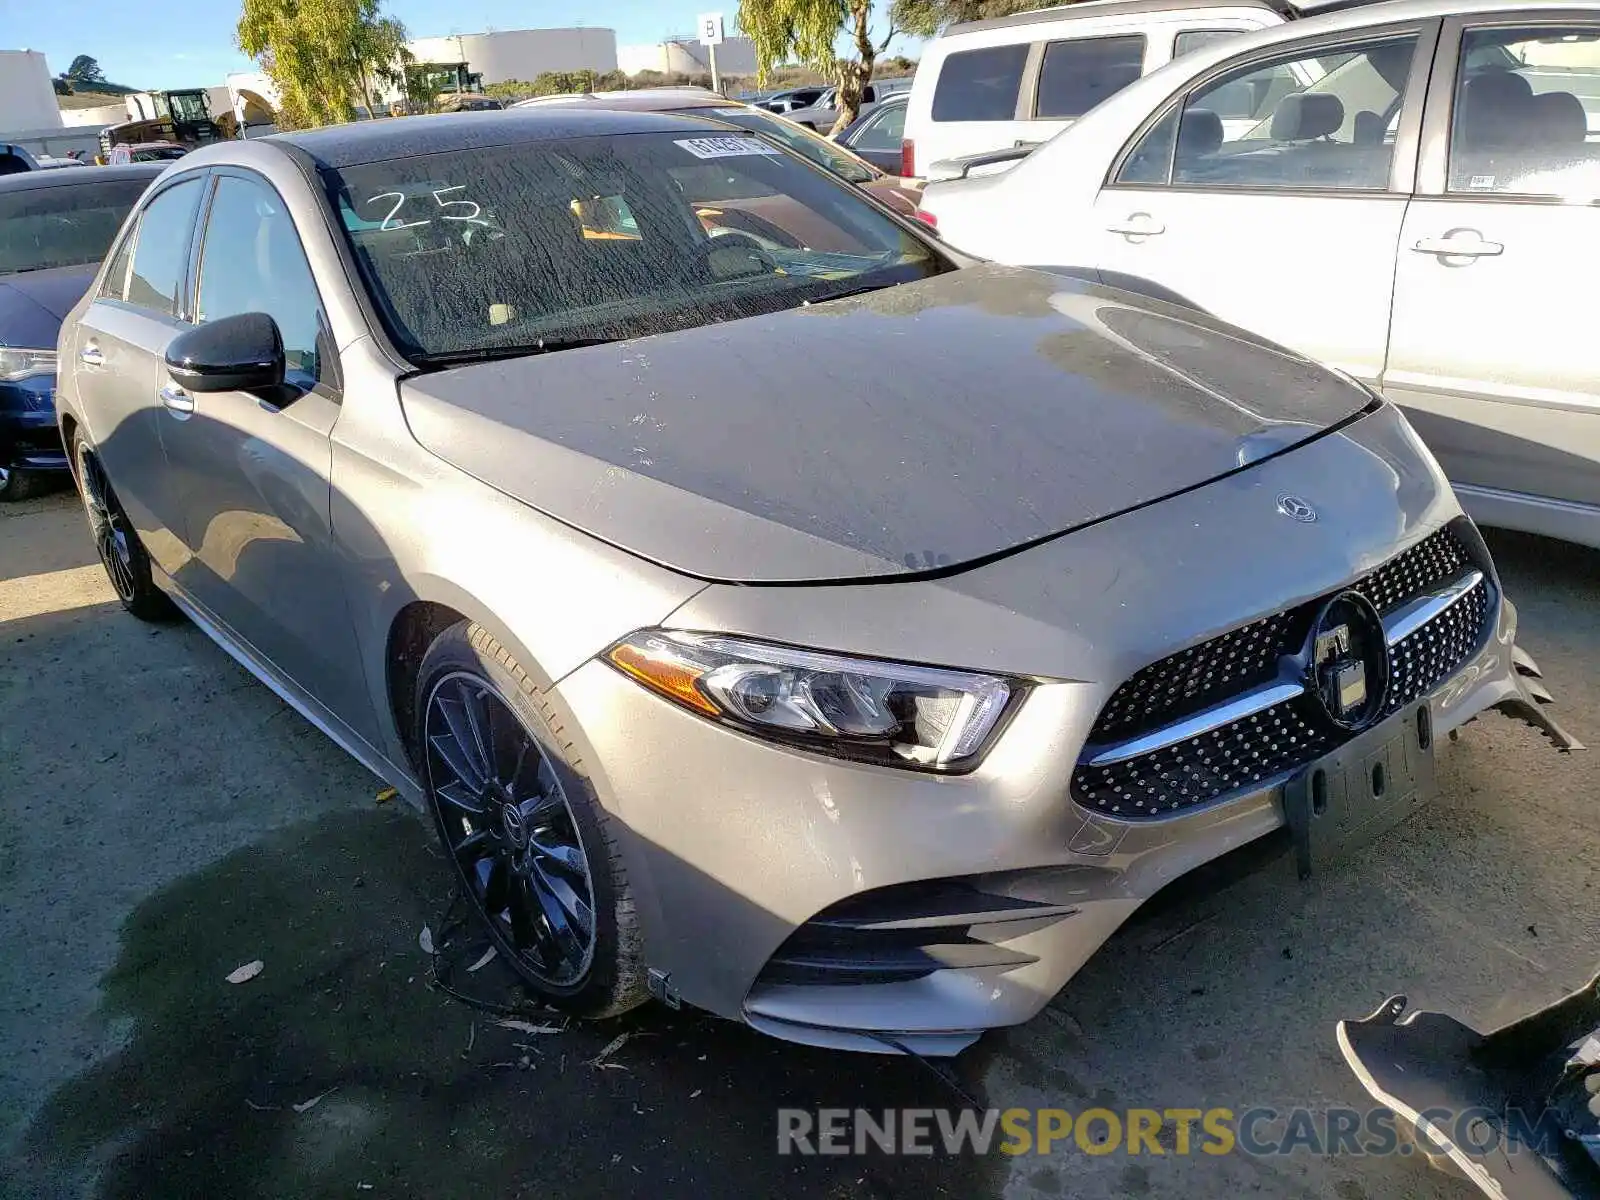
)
(165, 819)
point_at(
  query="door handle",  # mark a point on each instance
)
(179, 403)
(91, 356)
(1459, 243)
(1137, 225)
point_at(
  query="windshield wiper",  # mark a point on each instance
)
(453, 358)
(846, 293)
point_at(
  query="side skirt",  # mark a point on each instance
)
(347, 739)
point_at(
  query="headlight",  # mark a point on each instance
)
(18, 364)
(890, 713)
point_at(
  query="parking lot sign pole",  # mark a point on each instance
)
(710, 25)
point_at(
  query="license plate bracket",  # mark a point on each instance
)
(1347, 799)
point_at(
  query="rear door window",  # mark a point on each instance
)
(980, 85)
(883, 130)
(1080, 73)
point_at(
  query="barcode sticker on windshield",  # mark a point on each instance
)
(725, 147)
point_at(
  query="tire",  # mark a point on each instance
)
(122, 554)
(17, 484)
(466, 660)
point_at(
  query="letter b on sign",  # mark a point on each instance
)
(710, 25)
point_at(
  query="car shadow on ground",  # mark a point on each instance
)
(417, 1093)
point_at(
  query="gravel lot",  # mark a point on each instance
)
(165, 819)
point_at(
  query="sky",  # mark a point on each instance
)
(165, 44)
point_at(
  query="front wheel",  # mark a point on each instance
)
(530, 844)
(121, 552)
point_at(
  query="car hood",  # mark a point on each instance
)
(912, 429)
(33, 304)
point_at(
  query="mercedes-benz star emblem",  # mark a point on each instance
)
(1296, 509)
(514, 824)
(1349, 662)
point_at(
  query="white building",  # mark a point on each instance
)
(502, 54)
(254, 99)
(27, 99)
(97, 117)
(686, 56)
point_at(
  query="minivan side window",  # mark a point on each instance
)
(1198, 39)
(1526, 101)
(252, 261)
(980, 85)
(1319, 120)
(1079, 73)
(162, 254)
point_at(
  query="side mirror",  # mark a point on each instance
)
(242, 353)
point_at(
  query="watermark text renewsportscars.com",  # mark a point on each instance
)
(1256, 1131)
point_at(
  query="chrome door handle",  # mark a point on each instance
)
(1463, 243)
(91, 356)
(1137, 225)
(178, 401)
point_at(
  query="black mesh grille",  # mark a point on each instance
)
(1428, 657)
(1429, 563)
(1288, 735)
(1191, 679)
(1224, 760)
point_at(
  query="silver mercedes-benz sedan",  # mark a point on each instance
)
(776, 612)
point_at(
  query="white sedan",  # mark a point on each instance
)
(1409, 191)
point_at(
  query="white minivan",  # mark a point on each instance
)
(1016, 81)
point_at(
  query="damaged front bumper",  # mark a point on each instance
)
(1516, 1112)
(1531, 700)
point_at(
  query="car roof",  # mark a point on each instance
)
(404, 137)
(1101, 8)
(28, 180)
(642, 100)
(1334, 16)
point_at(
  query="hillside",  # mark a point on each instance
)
(91, 99)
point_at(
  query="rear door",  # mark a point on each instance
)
(1492, 349)
(118, 346)
(254, 471)
(1284, 222)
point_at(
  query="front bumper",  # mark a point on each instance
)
(733, 846)
(31, 441)
(856, 907)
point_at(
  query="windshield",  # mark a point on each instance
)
(156, 153)
(543, 245)
(803, 142)
(189, 106)
(63, 226)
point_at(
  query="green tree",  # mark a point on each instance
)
(925, 18)
(61, 85)
(83, 73)
(322, 54)
(807, 30)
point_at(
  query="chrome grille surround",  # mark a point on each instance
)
(1192, 728)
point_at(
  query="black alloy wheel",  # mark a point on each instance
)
(511, 831)
(117, 542)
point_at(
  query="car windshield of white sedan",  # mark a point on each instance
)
(546, 245)
(72, 226)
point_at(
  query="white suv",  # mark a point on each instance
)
(1409, 191)
(1017, 81)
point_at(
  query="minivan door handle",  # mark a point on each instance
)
(1137, 225)
(179, 403)
(1459, 243)
(91, 356)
